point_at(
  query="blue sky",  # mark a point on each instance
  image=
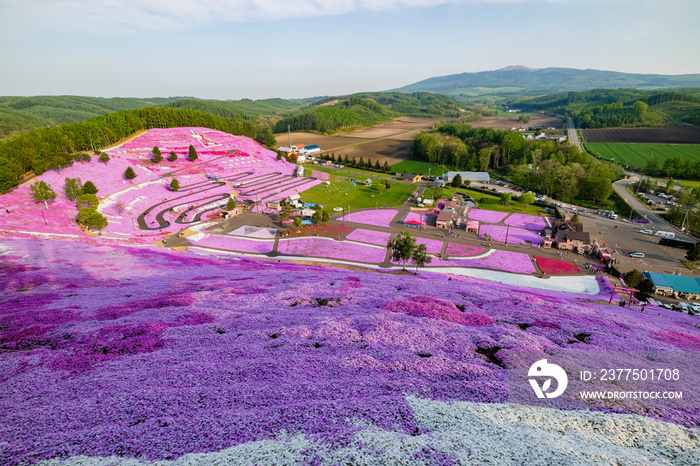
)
(233, 49)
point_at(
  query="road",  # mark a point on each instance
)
(655, 222)
(573, 137)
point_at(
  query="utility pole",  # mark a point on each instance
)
(289, 136)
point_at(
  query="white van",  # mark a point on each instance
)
(665, 234)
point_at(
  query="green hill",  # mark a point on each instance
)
(21, 114)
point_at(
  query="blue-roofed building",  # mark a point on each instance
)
(677, 286)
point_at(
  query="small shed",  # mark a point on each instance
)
(368, 182)
(410, 177)
(444, 220)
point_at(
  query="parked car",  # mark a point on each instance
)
(646, 232)
(635, 254)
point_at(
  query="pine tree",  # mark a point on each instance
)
(129, 174)
(192, 154)
(231, 204)
(386, 167)
(157, 156)
(72, 187)
(175, 185)
(104, 158)
(172, 157)
(89, 188)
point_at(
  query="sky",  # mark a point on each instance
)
(257, 49)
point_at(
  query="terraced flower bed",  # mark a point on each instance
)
(331, 249)
(512, 234)
(232, 243)
(455, 249)
(505, 261)
(486, 216)
(530, 222)
(555, 266)
(376, 217)
(379, 238)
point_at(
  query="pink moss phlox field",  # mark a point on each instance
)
(322, 247)
(454, 249)
(506, 261)
(231, 243)
(530, 222)
(432, 246)
(376, 217)
(514, 235)
(433, 308)
(149, 354)
(486, 216)
(415, 218)
(379, 238)
(220, 154)
(556, 266)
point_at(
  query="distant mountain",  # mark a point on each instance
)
(524, 80)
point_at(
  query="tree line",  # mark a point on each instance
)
(54, 148)
(559, 170)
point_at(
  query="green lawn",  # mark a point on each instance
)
(417, 167)
(637, 155)
(346, 172)
(493, 202)
(357, 197)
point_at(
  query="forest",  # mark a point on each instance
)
(603, 108)
(367, 109)
(48, 148)
(559, 170)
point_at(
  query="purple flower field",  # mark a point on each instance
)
(147, 354)
(324, 247)
(530, 222)
(432, 246)
(376, 217)
(415, 218)
(486, 216)
(231, 243)
(515, 235)
(454, 249)
(379, 238)
(505, 261)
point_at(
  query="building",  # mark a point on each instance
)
(299, 171)
(570, 240)
(444, 219)
(479, 177)
(310, 150)
(674, 285)
(410, 177)
(368, 182)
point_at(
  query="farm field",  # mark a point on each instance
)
(417, 167)
(406, 128)
(637, 155)
(507, 122)
(668, 135)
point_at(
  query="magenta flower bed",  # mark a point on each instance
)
(555, 266)
(231, 243)
(505, 261)
(149, 355)
(432, 246)
(530, 222)
(378, 217)
(415, 218)
(486, 216)
(368, 236)
(328, 248)
(454, 249)
(515, 235)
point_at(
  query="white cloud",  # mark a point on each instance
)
(133, 15)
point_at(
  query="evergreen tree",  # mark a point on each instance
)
(172, 156)
(42, 192)
(377, 166)
(192, 154)
(457, 181)
(72, 187)
(693, 255)
(316, 217)
(362, 162)
(104, 158)
(325, 216)
(92, 219)
(89, 188)
(129, 174)
(231, 204)
(175, 185)
(386, 167)
(157, 156)
(87, 201)
(297, 222)
(387, 185)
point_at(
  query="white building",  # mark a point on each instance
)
(481, 177)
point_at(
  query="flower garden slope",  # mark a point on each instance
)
(148, 354)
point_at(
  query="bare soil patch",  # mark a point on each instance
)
(668, 135)
(384, 150)
(326, 143)
(405, 128)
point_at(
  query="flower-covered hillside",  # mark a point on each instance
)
(220, 155)
(150, 354)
